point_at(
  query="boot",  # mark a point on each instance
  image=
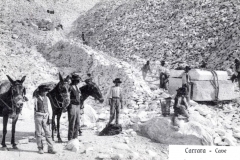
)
(51, 151)
(40, 151)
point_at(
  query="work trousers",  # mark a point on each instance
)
(179, 111)
(74, 121)
(41, 123)
(144, 74)
(114, 109)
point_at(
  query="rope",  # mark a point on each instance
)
(5, 104)
(57, 106)
(215, 84)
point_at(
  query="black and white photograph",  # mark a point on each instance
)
(119, 79)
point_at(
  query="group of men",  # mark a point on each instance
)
(43, 110)
(182, 97)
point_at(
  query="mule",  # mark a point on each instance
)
(11, 103)
(90, 89)
(60, 99)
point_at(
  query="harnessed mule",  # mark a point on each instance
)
(90, 89)
(60, 99)
(11, 103)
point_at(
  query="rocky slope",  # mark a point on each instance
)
(174, 30)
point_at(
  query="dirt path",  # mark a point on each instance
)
(124, 145)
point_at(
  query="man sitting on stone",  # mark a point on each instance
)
(180, 106)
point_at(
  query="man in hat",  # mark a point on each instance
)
(180, 106)
(164, 74)
(115, 100)
(145, 69)
(74, 108)
(42, 118)
(186, 81)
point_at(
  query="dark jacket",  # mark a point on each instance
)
(75, 95)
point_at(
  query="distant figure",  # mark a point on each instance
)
(164, 75)
(89, 77)
(42, 118)
(186, 82)
(145, 69)
(115, 101)
(180, 106)
(83, 38)
(237, 70)
(203, 65)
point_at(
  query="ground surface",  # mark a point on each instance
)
(91, 146)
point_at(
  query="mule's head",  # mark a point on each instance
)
(94, 91)
(64, 90)
(18, 92)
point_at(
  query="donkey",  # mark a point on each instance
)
(11, 103)
(60, 99)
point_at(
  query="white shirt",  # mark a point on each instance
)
(115, 91)
(184, 78)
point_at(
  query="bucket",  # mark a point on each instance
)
(165, 106)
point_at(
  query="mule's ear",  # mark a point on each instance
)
(10, 79)
(60, 77)
(23, 79)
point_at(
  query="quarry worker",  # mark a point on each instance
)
(89, 77)
(83, 38)
(203, 65)
(186, 82)
(180, 106)
(74, 108)
(145, 69)
(42, 118)
(115, 101)
(237, 70)
(164, 75)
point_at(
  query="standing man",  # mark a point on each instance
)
(237, 70)
(74, 109)
(164, 74)
(42, 118)
(115, 101)
(186, 82)
(145, 69)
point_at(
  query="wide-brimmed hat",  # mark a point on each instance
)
(117, 80)
(75, 77)
(43, 88)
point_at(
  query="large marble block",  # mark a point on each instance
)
(205, 91)
(174, 84)
(204, 75)
(176, 73)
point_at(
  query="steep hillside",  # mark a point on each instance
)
(41, 54)
(174, 30)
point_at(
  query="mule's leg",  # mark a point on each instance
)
(58, 127)
(5, 121)
(53, 125)
(14, 121)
